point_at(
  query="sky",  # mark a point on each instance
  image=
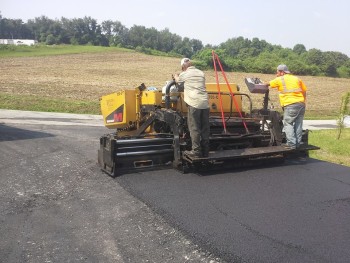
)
(322, 24)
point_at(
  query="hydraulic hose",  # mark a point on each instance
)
(167, 94)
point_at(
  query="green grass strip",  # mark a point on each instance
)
(45, 50)
(332, 149)
(46, 104)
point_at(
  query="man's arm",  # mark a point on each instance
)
(267, 83)
(176, 77)
(303, 87)
(180, 83)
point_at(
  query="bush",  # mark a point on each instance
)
(343, 72)
(50, 40)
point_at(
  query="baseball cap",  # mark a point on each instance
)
(184, 60)
(283, 67)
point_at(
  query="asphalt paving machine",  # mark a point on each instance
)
(150, 129)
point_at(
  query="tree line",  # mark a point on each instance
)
(236, 54)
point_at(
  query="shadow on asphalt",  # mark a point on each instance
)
(212, 170)
(246, 166)
(8, 133)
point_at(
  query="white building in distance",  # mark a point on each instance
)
(17, 42)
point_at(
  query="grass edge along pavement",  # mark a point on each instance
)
(48, 104)
(332, 149)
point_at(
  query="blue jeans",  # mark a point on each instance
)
(293, 123)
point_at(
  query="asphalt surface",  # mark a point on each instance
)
(57, 206)
(296, 212)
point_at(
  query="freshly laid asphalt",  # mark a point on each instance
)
(296, 212)
(57, 206)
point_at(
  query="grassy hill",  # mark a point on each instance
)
(72, 79)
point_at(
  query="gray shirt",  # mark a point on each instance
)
(195, 93)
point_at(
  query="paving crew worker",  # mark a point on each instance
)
(292, 95)
(196, 98)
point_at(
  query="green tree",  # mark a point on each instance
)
(166, 40)
(14, 28)
(197, 45)
(314, 56)
(184, 47)
(299, 49)
(344, 109)
(205, 57)
(151, 38)
(40, 27)
(135, 36)
(344, 70)
(117, 33)
(266, 62)
(50, 40)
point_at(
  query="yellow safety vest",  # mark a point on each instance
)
(291, 89)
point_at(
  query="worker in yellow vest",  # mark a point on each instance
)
(292, 95)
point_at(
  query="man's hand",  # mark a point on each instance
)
(176, 77)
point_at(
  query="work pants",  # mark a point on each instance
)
(198, 125)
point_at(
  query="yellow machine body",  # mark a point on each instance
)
(122, 109)
(151, 97)
(151, 130)
(119, 109)
(227, 104)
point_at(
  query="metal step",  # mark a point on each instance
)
(247, 153)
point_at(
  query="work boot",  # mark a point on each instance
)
(302, 146)
(288, 147)
(193, 154)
